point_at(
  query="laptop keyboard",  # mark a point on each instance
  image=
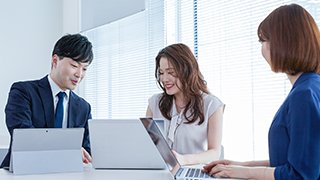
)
(196, 173)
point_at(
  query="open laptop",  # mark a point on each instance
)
(122, 144)
(46, 150)
(179, 173)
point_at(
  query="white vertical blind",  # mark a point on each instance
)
(229, 55)
(224, 33)
(121, 78)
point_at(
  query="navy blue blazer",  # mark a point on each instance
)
(30, 105)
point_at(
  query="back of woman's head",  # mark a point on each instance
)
(294, 40)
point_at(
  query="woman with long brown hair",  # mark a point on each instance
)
(192, 116)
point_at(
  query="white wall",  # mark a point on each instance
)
(95, 13)
(29, 29)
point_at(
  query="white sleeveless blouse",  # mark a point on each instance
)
(181, 137)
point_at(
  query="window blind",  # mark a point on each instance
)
(223, 36)
(121, 77)
(230, 59)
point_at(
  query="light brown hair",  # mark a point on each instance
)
(294, 40)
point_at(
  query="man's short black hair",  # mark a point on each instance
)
(74, 46)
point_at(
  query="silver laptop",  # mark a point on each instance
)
(122, 144)
(46, 150)
(179, 173)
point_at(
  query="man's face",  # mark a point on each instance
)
(67, 73)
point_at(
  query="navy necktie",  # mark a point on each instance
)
(59, 110)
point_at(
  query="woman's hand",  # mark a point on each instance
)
(234, 169)
(226, 169)
(229, 171)
(209, 166)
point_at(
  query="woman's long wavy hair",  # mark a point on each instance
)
(193, 85)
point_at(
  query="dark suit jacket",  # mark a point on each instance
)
(30, 105)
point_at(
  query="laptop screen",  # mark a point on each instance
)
(161, 144)
(35, 150)
(122, 144)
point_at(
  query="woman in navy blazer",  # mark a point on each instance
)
(290, 42)
(31, 104)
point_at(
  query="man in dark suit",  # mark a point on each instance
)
(33, 104)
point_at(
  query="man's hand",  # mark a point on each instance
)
(86, 158)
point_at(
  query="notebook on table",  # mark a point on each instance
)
(46, 150)
(179, 173)
(122, 144)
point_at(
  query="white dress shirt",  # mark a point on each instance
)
(55, 90)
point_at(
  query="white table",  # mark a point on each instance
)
(3, 152)
(91, 174)
(4, 145)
